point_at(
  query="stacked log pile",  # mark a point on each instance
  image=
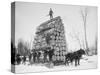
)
(51, 34)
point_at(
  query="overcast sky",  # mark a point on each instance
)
(29, 16)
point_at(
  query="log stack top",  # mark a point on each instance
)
(51, 20)
(48, 25)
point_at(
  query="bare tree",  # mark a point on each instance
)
(96, 44)
(20, 47)
(83, 44)
(23, 48)
(84, 14)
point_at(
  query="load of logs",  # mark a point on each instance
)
(51, 34)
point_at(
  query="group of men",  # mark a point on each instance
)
(41, 56)
(36, 56)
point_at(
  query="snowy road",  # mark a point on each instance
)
(91, 63)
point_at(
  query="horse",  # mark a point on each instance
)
(74, 56)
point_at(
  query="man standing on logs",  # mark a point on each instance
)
(51, 13)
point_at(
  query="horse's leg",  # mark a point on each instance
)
(71, 60)
(79, 61)
(76, 62)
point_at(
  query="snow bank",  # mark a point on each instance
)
(89, 62)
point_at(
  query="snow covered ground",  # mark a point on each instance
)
(89, 62)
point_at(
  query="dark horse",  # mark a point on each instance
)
(75, 56)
